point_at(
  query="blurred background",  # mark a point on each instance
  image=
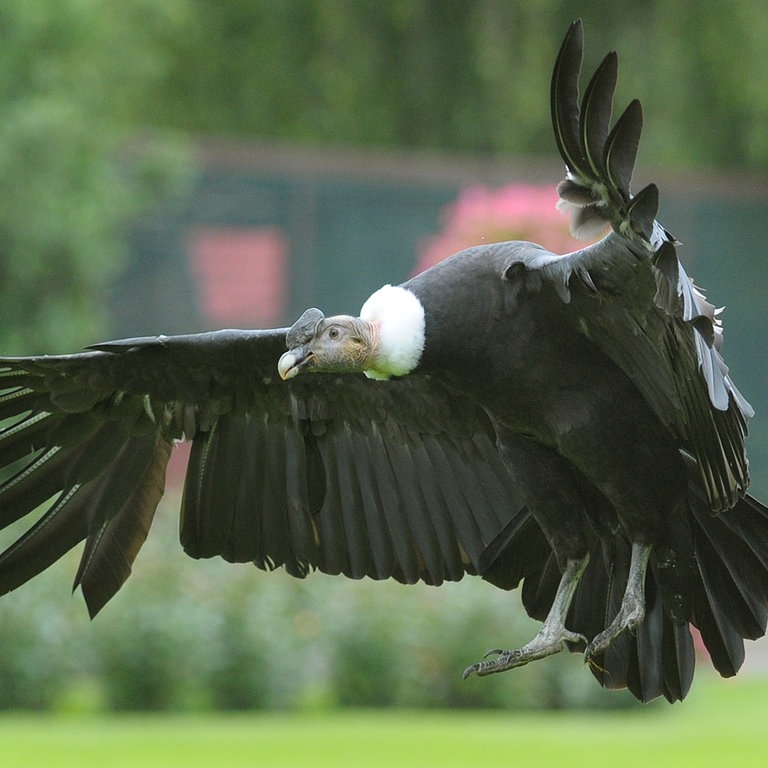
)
(186, 165)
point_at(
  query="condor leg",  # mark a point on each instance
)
(552, 636)
(632, 610)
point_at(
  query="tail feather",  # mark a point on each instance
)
(722, 641)
(731, 603)
(540, 586)
(749, 522)
(733, 577)
(646, 674)
(722, 591)
(678, 660)
(596, 603)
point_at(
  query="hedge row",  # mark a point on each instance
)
(208, 635)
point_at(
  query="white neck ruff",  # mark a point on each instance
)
(398, 317)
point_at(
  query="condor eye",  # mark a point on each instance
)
(333, 333)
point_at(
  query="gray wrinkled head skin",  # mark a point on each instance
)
(304, 329)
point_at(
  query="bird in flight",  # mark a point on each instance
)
(564, 422)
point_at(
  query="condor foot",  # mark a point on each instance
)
(552, 636)
(546, 643)
(628, 619)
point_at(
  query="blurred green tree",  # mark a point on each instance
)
(452, 74)
(71, 76)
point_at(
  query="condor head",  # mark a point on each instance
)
(340, 344)
(386, 340)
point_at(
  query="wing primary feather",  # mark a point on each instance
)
(110, 551)
(26, 436)
(621, 148)
(32, 485)
(595, 116)
(58, 530)
(667, 266)
(565, 98)
(643, 209)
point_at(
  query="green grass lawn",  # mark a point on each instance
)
(723, 723)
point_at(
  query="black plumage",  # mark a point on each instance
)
(569, 424)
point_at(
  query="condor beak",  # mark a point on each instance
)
(298, 340)
(293, 361)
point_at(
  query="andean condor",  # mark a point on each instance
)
(562, 421)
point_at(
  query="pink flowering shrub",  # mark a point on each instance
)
(514, 212)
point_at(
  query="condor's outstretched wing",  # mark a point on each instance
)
(393, 479)
(629, 292)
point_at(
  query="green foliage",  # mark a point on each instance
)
(33, 670)
(71, 76)
(473, 76)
